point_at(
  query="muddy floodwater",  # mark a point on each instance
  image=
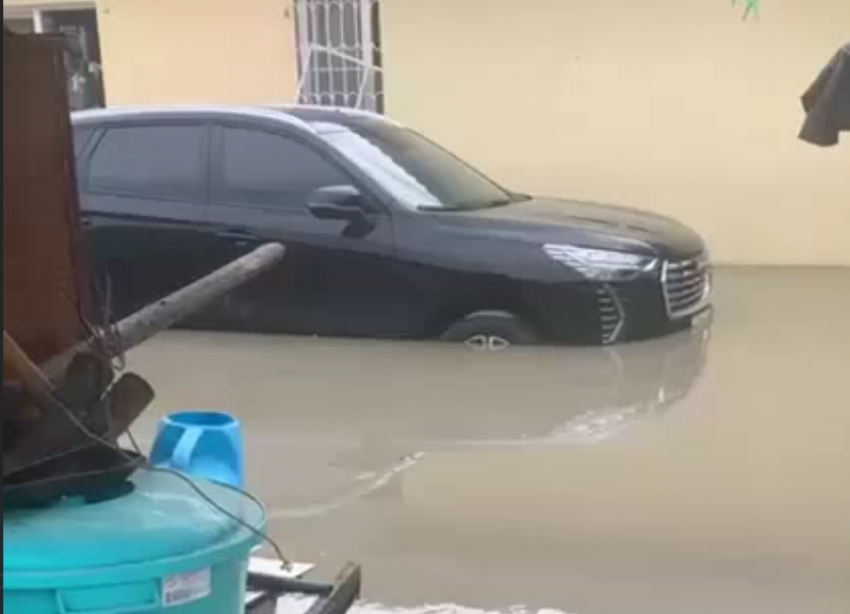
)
(705, 473)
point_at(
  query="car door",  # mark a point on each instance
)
(328, 284)
(144, 189)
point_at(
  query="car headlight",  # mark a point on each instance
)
(601, 264)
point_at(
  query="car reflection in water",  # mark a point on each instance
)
(434, 398)
(575, 396)
(650, 384)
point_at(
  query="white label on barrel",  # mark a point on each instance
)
(186, 588)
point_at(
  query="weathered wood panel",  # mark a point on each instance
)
(44, 273)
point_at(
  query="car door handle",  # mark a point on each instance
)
(239, 237)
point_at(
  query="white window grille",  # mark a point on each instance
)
(339, 53)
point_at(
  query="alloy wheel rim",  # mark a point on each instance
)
(488, 343)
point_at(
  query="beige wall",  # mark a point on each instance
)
(676, 106)
(43, 3)
(673, 105)
(191, 51)
(195, 51)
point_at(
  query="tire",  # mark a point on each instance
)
(491, 332)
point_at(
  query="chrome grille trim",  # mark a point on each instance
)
(612, 316)
(686, 285)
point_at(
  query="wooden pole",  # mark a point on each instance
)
(141, 326)
(56, 432)
(155, 318)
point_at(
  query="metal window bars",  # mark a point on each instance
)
(339, 53)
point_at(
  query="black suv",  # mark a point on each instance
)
(387, 234)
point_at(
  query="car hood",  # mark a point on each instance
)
(587, 224)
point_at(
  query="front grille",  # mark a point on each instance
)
(687, 285)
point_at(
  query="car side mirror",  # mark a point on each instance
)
(344, 203)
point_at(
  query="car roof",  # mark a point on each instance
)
(342, 115)
(312, 119)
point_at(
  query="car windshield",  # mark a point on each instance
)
(416, 171)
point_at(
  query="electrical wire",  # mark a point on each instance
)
(145, 464)
(45, 459)
(286, 564)
(107, 345)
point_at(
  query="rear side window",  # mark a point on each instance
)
(81, 139)
(264, 169)
(151, 161)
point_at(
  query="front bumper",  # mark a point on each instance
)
(669, 299)
(642, 312)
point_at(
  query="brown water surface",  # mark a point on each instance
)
(705, 473)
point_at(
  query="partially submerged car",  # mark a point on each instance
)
(388, 235)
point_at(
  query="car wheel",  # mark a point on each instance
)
(491, 332)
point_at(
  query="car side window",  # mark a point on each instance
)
(81, 139)
(259, 168)
(151, 161)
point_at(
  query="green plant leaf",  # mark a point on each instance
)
(752, 8)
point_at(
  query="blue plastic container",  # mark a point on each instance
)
(202, 444)
(161, 548)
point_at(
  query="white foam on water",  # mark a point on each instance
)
(299, 605)
(366, 485)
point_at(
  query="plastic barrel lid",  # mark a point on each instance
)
(162, 518)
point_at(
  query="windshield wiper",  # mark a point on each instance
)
(467, 206)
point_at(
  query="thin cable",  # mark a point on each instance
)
(145, 464)
(113, 334)
(71, 476)
(94, 337)
(45, 459)
(285, 562)
(104, 341)
(107, 344)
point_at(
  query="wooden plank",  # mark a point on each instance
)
(57, 433)
(260, 603)
(337, 598)
(16, 361)
(345, 593)
(44, 275)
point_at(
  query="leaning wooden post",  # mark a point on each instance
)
(141, 326)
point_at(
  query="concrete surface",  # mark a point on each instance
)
(704, 473)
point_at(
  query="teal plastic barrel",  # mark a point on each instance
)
(159, 548)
